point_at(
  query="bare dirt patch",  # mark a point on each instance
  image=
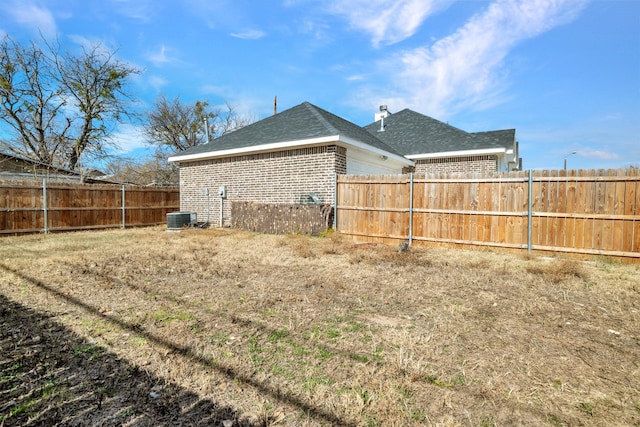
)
(145, 327)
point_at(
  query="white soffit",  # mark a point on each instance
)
(278, 146)
(377, 151)
(301, 143)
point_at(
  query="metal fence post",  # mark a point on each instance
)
(123, 208)
(530, 213)
(335, 202)
(410, 208)
(44, 205)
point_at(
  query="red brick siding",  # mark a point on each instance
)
(480, 164)
(276, 177)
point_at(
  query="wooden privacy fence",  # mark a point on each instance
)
(42, 207)
(585, 211)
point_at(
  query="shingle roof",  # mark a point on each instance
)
(302, 122)
(412, 133)
(503, 138)
(406, 133)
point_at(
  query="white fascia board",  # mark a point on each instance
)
(480, 152)
(377, 151)
(300, 143)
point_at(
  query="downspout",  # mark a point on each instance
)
(221, 205)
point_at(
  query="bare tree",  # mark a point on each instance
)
(153, 171)
(59, 107)
(174, 126)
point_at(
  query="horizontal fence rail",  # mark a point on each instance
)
(46, 207)
(585, 211)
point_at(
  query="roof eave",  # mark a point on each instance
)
(278, 146)
(354, 143)
(462, 153)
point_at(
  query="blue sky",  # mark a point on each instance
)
(564, 73)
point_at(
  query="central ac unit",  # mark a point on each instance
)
(178, 220)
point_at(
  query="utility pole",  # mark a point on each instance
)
(565, 159)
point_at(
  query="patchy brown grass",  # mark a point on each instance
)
(558, 271)
(145, 327)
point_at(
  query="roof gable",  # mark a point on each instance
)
(302, 122)
(413, 133)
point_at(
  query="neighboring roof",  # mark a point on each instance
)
(14, 167)
(301, 123)
(413, 134)
(15, 163)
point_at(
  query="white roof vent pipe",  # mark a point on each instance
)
(206, 130)
(381, 115)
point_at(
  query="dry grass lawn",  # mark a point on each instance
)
(229, 328)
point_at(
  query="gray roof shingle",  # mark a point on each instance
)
(503, 138)
(413, 133)
(304, 121)
(406, 133)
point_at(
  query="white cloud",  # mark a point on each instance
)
(466, 69)
(355, 77)
(39, 19)
(246, 102)
(157, 82)
(90, 45)
(598, 154)
(249, 35)
(163, 56)
(128, 138)
(135, 9)
(387, 21)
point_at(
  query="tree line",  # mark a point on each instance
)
(61, 108)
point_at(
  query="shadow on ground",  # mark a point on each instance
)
(52, 376)
(175, 407)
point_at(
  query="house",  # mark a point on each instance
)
(435, 146)
(294, 156)
(16, 168)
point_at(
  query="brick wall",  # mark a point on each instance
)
(477, 164)
(277, 177)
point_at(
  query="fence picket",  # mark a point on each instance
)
(636, 212)
(592, 212)
(80, 206)
(572, 198)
